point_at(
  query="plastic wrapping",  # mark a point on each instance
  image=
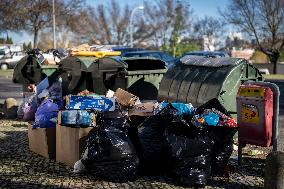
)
(190, 153)
(181, 107)
(78, 118)
(29, 108)
(46, 114)
(55, 93)
(110, 153)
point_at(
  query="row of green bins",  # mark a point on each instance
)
(140, 76)
(196, 80)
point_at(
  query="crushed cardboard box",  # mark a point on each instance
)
(125, 98)
(143, 109)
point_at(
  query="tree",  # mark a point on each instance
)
(34, 16)
(9, 40)
(262, 20)
(171, 21)
(209, 28)
(108, 25)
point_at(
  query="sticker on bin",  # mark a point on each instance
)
(251, 92)
(74, 102)
(250, 114)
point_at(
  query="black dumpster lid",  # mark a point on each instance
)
(210, 62)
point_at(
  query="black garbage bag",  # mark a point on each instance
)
(110, 153)
(222, 138)
(153, 152)
(190, 152)
(213, 103)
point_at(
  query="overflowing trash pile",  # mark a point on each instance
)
(132, 137)
(186, 143)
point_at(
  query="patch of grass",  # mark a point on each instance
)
(6, 73)
(274, 76)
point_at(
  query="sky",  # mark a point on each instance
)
(201, 8)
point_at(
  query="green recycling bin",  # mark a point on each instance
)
(140, 76)
(196, 80)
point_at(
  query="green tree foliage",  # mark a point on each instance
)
(182, 47)
(27, 46)
(7, 40)
(171, 20)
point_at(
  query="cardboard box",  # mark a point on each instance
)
(125, 98)
(70, 143)
(42, 141)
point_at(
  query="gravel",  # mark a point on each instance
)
(21, 168)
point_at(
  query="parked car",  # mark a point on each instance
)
(9, 60)
(156, 54)
(207, 54)
(2, 53)
(126, 49)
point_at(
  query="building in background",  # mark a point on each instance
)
(242, 53)
(208, 43)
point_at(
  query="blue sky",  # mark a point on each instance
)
(201, 8)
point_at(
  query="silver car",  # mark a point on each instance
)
(9, 60)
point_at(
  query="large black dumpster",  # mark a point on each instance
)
(30, 70)
(76, 74)
(196, 80)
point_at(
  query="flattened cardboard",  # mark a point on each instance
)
(143, 109)
(42, 141)
(125, 98)
(70, 143)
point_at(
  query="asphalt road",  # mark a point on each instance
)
(8, 89)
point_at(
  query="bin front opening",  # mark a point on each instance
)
(144, 64)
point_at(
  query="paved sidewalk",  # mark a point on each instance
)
(20, 168)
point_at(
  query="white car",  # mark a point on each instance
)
(9, 60)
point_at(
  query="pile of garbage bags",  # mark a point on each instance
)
(132, 138)
(42, 106)
(186, 143)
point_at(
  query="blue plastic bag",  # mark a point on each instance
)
(46, 115)
(78, 118)
(211, 118)
(181, 107)
(29, 108)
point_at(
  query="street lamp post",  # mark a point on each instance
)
(53, 16)
(131, 23)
